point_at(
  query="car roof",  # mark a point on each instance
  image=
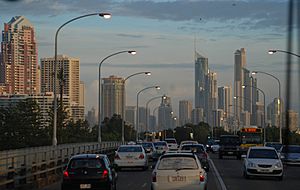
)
(229, 136)
(193, 145)
(79, 156)
(178, 154)
(262, 148)
(131, 145)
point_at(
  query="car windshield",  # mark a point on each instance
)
(176, 162)
(291, 149)
(263, 154)
(85, 163)
(147, 145)
(160, 144)
(130, 149)
(198, 149)
(230, 140)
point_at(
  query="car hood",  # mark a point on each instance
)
(263, 161)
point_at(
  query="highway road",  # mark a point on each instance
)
(230, 173)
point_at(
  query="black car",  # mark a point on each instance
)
(230, 146)
(199, 150)
(89, 171)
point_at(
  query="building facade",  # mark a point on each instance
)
(185, 112)
(19, 68)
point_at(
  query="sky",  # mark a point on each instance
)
(165, 34)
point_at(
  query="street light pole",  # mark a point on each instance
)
(264, 120)
(100, 113)
(104, 15)
(124, 100)
(279, 96)
(153, 113)
(147, 120)
(137, 109)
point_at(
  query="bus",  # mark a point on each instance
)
(250, 136)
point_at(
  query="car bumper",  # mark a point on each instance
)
(292, 162)
(258, 172)
(75, 184)
(170, 186)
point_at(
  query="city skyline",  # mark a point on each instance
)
(164, 43)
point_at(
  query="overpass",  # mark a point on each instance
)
(37, 167)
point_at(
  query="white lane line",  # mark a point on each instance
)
(221, 182)
(144, 185)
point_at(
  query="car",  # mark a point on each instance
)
(215, 146)
(229, 146)
(199, 150)
(149, 148)
(276, 145)
(131, 156)
(89, 171)
(180, 171)
(187, 142)
(290, 154)
(161, 147)
(262, 161)
(172, 143)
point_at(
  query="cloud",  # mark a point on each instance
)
(130, 35)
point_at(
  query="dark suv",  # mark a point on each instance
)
(229, 146)
(89, 171)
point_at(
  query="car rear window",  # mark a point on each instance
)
(130, 149)
(229, 141)
(176, 162)
(160, 144)
(148, 145)
(86, 163)
(198, 149)
(264, 154)
(171, 141)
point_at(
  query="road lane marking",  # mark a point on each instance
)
(221, 182)
(144, 185)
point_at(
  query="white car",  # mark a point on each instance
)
(172, 143)
(262, 161)
(187, 142)
(180, 171)
(128, 156)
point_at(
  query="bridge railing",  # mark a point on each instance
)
(39, 166)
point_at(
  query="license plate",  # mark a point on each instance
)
(177, 178)
(230, 152)
(264, 170)
(85, 186)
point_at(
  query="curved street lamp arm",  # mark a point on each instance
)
(125, 51)
(146, 72)
(291, 53)
(269, 75)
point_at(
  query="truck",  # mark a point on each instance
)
(230, 146)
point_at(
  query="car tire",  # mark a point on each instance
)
(220, 156)
(238, 157)
(145, 168)
(246, 176)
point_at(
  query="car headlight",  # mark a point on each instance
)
(251, 165)
(278, 165)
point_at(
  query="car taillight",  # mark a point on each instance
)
(205, 155)
(201, 178)
(66, 174)
(104, 174)
(117, 157)
(142, 156)
(154, 177)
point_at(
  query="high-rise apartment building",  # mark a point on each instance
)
(293, 120)
(165, 114)
(239, 66)
(225, 100)
(81, 93)
(197, 115)
(112, 96)
(71, 80)
(19, 68)
(201, 71)
(185, 111)
(130, 113)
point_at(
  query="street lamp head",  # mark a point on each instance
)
(271, 51)
(235, 97)
(157, 87)
(148, 73)
(105, 15)
(164, 97)
(243, 86)
(132, 52)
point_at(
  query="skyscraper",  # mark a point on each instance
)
(239, 66)
(112, 96)
(165, 114)
(130, 113)
(201, 71)
(71, 79)
(224, 100)
(18, 71)
(185, 111)
(81, 93)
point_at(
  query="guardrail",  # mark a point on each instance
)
(38, 166)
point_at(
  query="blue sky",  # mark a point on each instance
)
(163, 33)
